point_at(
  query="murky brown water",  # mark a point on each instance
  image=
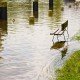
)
(26, 49)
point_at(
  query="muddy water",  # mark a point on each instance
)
(26, 49)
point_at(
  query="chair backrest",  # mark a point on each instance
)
(64, 25)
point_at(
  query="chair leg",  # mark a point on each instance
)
(53, 39)
(64, 37)
(68, 34)
(57, 38)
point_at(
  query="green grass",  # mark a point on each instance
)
(71, 69)
(76, 36)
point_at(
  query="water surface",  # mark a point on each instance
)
(26, 49)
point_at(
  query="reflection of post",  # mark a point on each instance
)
(50, 13)
(3, 32)
(3, 24)
(50, 4)
(1, 48)
(69, 0)
(35, 8)
(57, 10)
(31, 20)
(3, 11)
(64, 51)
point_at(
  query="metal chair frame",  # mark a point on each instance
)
(59, 32)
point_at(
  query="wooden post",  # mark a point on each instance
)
(3, 15)
(50, 4)
(3, 11)
(35, 8)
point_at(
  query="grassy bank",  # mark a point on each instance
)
(71, 69)
(76, 36)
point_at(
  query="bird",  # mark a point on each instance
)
(13, 20)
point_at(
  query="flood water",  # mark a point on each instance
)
(26, 49)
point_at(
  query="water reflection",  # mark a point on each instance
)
(27, 51)
(18, 11)
(55, 16)
(3, 32)
(67, 1)
(57, 10)
(64, 51)
(3, 25)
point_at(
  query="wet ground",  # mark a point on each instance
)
(27, 51)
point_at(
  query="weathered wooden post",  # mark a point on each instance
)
(3, 15)
(35, 8)
(34, 12)
(3, 11)
(50, 4)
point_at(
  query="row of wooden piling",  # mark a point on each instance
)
(35, 7)
(3, 10)
(35, 10)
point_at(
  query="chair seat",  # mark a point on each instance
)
(57, 32)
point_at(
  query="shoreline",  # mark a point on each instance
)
(71, 69)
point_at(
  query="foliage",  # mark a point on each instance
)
(76, 36)
(71, 69)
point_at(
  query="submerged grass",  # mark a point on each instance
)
(76, 36)
(71, 69)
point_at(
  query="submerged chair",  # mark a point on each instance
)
(61, 46)
(57, 45)
(59, 32)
